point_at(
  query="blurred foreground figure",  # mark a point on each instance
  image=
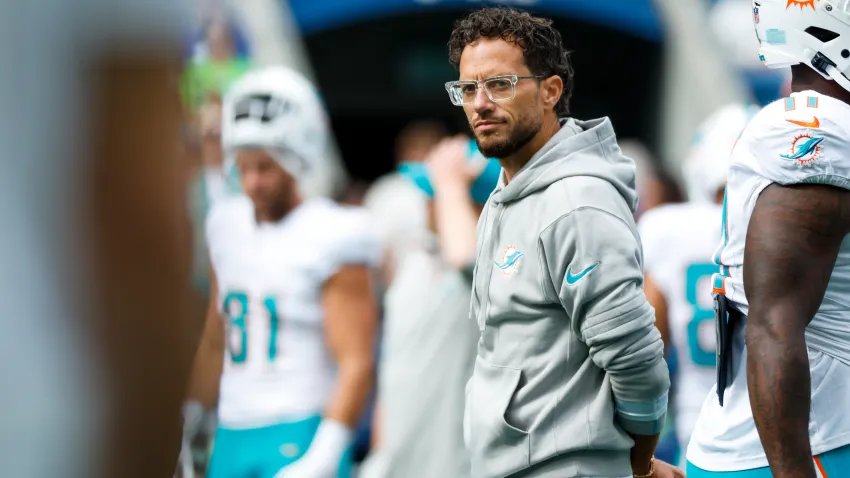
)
(291, 279)
(98, 329)
(782, 290)
(398, 207)
(653, 185)
(428, 340)
(678, 242)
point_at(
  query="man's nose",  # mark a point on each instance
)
(250, 181)
(481, 102)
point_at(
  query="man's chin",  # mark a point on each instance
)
(493, 148)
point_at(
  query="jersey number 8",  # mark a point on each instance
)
(235, 306)
(702, 314)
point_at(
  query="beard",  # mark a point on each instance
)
(492, 146)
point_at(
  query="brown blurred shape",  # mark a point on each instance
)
(150, 318)
(416, 139)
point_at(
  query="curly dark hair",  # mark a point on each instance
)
(541, 43)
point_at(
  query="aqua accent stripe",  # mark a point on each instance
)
(643, 411)
(790, 103)
(718, 282)
(695, 472)
(723, 233)
(636, 427)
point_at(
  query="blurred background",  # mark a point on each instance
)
(656, 67)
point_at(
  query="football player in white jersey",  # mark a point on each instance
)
(291, 279)
(678, 242)
(782, 406)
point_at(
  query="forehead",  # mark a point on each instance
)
(491, 56)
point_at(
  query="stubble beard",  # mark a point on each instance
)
(500, 148)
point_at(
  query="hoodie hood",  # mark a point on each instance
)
(580, 148)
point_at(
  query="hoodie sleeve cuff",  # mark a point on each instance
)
(643, 418)
(634, 427)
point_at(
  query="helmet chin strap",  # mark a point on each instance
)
(838, 77)
(830, 72)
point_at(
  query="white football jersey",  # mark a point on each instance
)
(678, 242)
(801, 139)
(270, 279)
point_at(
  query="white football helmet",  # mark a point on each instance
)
(813, 32)
(705, 167)
(276, 109)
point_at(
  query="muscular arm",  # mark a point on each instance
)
(456, 214)
(350, 321)
(209, 359)
(792, 243)
(457, 219)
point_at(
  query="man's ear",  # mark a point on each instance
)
(551, 89)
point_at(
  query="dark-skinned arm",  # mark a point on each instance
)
(794, 234)
(350, 324)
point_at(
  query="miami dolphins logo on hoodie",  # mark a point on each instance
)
(510, 260)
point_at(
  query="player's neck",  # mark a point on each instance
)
(810, 80)
(513, 163)
(280, 211)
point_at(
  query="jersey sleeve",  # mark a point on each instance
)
(225, 217)
(213, 226)
(353, 240)
(803, 146)
(652, 234)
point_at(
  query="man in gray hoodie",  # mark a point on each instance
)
(570, 379)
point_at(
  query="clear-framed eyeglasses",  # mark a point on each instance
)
(498, 88)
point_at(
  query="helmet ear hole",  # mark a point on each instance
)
(845, 53)
(822, 34)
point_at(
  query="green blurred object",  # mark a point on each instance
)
(204, 78)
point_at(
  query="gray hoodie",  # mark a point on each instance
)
(569, 358)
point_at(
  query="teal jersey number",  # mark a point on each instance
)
(695, 272)
(236, 322)
(271, 306)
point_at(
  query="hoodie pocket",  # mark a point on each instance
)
(497, 447)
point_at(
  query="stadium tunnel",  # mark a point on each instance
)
(381, 65)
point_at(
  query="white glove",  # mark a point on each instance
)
(193, 417)
(323, 457)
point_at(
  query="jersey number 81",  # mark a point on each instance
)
(235, 306)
